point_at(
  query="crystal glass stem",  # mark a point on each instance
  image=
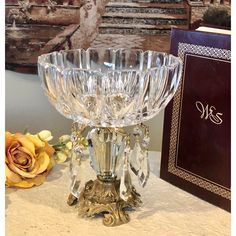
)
(106, 147)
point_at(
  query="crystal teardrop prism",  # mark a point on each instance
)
(79, 166)
(125, 180)
(134, 165)
(79, 173)
(137, 131)
(144, 170)
(139, 164)
(145, 141)
(75, 180)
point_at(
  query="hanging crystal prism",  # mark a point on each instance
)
(139, 162)
(78, 162)
(145, 141)
(74, 171)
(144, 170)
(79, 168)
(125, 180)
(137, 131)
(134, 164)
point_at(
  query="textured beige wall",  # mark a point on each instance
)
(27, 107)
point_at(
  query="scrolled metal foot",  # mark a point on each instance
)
(103, 197)
(116, 215)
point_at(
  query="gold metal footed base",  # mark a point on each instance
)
(103, 197)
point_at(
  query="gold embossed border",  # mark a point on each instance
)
(184, 48)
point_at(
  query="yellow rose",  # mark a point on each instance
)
(28, 159)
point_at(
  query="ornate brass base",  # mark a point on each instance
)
(103, 197)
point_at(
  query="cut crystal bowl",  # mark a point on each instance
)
(109, 87)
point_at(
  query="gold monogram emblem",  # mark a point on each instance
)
(209, 112)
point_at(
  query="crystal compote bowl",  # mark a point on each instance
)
(109, 89)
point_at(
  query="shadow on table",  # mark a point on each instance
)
(57, 172)
(7, 196)
(52, 193)
(7, 201)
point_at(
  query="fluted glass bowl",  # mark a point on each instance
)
(109, 87)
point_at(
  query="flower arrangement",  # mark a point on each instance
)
(63, 147)
(29, 157)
